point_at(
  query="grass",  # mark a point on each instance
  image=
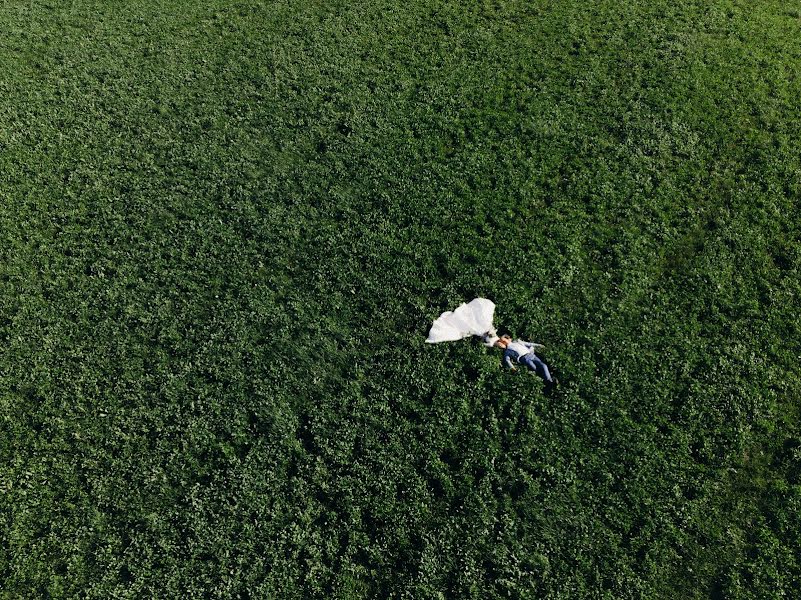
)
(227, 226)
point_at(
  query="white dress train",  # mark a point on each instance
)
(472, 318)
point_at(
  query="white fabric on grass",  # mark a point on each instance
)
(473, 318)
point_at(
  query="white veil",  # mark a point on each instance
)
(473, 318)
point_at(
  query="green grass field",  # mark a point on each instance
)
(226, 227)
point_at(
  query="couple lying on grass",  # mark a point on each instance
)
(476, 318)
(522, 353)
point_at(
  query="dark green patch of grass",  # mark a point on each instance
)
(226, 228)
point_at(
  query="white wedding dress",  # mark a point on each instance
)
(473, 318)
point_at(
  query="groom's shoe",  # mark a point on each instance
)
(551, 385)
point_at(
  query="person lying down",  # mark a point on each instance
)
(522, 353)
(476, 318)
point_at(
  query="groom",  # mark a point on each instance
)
(523, 353)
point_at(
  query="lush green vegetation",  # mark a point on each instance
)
(225, 228)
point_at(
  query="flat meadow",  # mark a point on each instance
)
(226, 227)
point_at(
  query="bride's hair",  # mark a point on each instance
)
(489, 338)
